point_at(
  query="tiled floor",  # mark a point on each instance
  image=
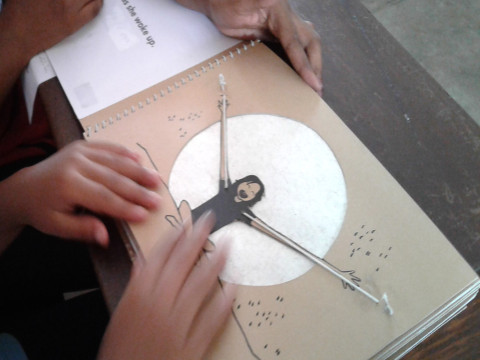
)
(444, 37)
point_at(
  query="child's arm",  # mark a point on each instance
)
(28, 27)
(268, 20)
(57, 195)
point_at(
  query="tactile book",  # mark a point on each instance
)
(334, 260)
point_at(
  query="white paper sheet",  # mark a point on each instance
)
(130, 46)
(279, 152)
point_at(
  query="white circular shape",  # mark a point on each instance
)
(305, 195)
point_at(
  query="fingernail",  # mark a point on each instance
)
(138, 213)
(155, 175)
(101, 237)
(155, 199)
(315, 83)
(320, 92)
(134, 155)
(207, 216)
(319, 86)
(153, 172)
(207, 219)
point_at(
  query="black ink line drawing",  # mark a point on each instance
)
(148, 155)
(233, 203)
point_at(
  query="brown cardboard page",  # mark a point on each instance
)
(386, 241)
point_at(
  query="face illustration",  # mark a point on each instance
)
(247, 191)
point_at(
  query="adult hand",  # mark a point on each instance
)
(173, 305)
(269, 20)
(28, 27)
(103, 178)
(36, 25)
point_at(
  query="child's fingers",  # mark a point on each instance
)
(121, 150)
(123, 162)
(80, 227)
(158, 258)
(211, 319)
(122, 186)
(199, 287)
(100, 199)
(184, 256)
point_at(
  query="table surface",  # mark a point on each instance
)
(413, 127)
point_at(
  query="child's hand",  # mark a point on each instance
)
(269, 20)
(36, 25)
(102, 178)
(173, 305)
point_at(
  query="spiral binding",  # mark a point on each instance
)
(162, 93)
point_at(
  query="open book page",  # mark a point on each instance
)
(38, 71)
(130, 46)
(371, 231)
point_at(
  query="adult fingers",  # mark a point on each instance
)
(283, 24)
(301, 63)
(85, 10)
(312, 44)
(92, 7)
